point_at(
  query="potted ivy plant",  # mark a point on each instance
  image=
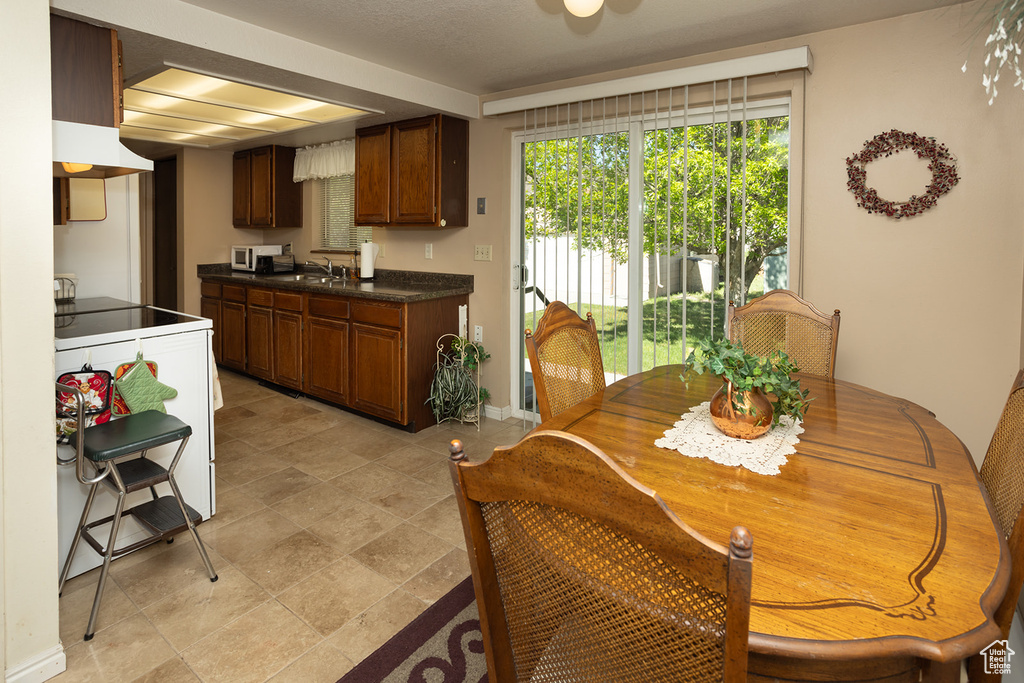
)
(455, 393)
(756, 391)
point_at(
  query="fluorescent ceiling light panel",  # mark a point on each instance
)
(204, 111)
(184, 139)
(172, 124)
(136, 101)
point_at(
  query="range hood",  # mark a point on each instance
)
(81, 143)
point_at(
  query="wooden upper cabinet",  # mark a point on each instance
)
(261, 199)
(413, 173)
(85, 73)
(263, 192)
(241, 189)
(373, 175)
(414, 163)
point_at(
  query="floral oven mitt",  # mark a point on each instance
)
(95, 387)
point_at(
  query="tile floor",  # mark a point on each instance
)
(332, 532)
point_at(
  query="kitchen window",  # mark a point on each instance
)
(337, 208)
(332, 165)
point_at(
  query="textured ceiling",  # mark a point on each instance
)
(476, 47)
(486, 46)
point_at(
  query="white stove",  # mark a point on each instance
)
(105, 333)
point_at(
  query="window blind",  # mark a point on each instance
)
(337, 206)
(652, 211)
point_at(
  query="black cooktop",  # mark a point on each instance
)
(116, 320)
(92, 305)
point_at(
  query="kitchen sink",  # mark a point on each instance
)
(301, 277)
(312, 279)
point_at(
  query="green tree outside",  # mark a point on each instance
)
(694, 179)
(694, 183)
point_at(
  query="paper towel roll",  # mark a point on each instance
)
(367, 256)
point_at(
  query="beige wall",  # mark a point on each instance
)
(931, 305)
(205, 233)
(30, 649)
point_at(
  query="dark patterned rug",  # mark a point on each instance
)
(442, 645)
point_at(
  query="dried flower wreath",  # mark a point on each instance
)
(940, 162)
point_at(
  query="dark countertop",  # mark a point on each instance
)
(402, 286)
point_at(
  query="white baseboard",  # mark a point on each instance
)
(496, 413)
(42, 667)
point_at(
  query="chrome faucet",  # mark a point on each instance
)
(329, 268)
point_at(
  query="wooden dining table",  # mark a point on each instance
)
(876, 552)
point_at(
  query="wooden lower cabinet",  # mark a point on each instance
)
(259, 330)
(287, 343)
(210, 308)
(232, 346)
(288, 349)
(373, 356)
(377, 381)
(327, 344)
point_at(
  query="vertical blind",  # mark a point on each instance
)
(652, 210)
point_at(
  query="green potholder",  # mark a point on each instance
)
(142, 391)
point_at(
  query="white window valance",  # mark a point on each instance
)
(329, 160)
(754, 65)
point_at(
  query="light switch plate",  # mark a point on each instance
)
(428, 250)
(481, 205)
(482, 252)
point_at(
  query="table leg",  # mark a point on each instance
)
(944, 672)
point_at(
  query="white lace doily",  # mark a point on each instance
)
(695, 436)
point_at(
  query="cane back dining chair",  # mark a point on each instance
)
(565, 359)
(582, 574)
(782, 321)
(115, 454)
(1002, 473)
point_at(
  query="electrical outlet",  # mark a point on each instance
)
(428, 250)
(287, 249)
(478, 334)
(383, 250)
(482, 252)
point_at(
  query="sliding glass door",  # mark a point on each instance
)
(651, 217)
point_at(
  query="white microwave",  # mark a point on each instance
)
(243, 257)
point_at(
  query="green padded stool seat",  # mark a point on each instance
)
(117, 453)
(143, 431)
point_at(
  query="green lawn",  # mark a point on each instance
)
(662, 326)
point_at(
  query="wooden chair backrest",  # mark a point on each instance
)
(782, 321)
(1002, 473)
(582, 573)
(565, 358)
